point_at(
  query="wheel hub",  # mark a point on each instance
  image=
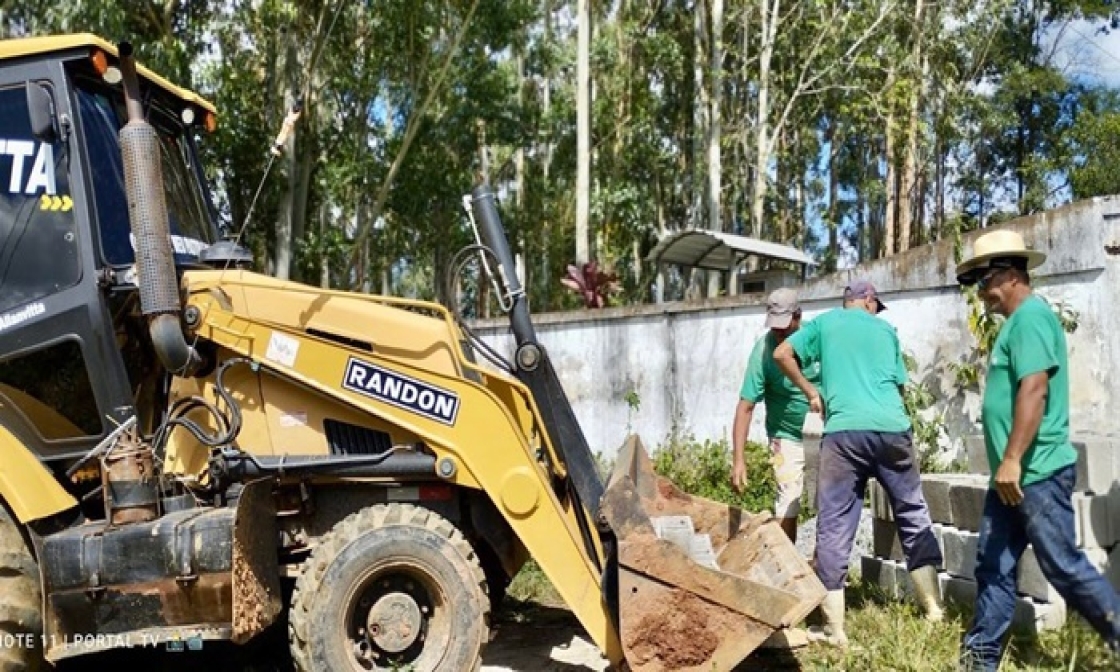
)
(394, 622)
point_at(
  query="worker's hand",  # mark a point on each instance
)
(738, 475)
(816, 404)
(1008, 475)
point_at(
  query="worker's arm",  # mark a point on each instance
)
(752, 392)
(744, 412)
(1029, 404)
(786, 359)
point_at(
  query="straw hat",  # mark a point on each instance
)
(1001, 244)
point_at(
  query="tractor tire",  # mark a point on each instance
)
(21, 618)
(390, 587)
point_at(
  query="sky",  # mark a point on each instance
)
(1087, 55)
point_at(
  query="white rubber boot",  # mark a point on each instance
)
(832, 632)
(928, 593)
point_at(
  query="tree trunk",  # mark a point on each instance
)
(366, 272)
(779, 221)
(519, 178)
(285, 217)
(546, 168)
(834, 144)
(799, 208)
(483, 307)
(715, 222)
(907, 191)
(890, 217)
(699, 115)
(769, 25)
(583, 134)
(939, 218)
(863, 233)
(324, 257)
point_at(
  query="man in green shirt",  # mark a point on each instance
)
(867, 434)
(786, 408)
(1025, 414)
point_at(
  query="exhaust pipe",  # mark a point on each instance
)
(147, 212)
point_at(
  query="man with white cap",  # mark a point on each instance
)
(1025, 415)
(786, 408)
(867, 434)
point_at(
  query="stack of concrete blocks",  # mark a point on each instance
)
(956, 504)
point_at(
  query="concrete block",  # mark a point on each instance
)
(897, 580)
(1112, 571)
(871, 570)
(939, 533)
(891, 577)
(1091, 521)
(959, 548)
(1098, 462)
(1032, 583)
(967, 501)
(957, 591)
(878, 501)
(1032, 618)
(935, 490)
(1113, 507)
(977, 453)
(885, 540)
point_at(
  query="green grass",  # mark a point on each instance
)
(531, 585)
(891, 635)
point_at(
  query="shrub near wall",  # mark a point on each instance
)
(704, 469)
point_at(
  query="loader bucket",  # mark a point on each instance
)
(701, 585)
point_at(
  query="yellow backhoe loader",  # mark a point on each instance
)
(193, 451)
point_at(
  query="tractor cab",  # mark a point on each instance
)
(67, 252)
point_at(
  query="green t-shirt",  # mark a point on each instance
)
(786, 406)
(1030, 341)
(861, 370)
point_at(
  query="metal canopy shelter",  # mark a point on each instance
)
(719, 251)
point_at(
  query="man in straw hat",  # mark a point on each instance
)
(867, 434)
(786, 409)
(1025, 414)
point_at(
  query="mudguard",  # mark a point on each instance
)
(191, 575)
(26, 485)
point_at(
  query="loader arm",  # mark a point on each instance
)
(534, 368)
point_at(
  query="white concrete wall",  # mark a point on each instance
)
(685, 361)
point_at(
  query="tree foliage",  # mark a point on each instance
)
(852, 130)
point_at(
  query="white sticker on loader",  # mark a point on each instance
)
(282, 349)
(293, 419)
(31, 160)
(17, 317)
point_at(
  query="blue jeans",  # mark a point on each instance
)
(847, 460)
(1045, 519)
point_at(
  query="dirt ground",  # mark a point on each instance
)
(541, 639)
(538, 639)
(526, 638)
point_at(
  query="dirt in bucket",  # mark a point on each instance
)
(673, 633)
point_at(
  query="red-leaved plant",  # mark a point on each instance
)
(593, 284)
